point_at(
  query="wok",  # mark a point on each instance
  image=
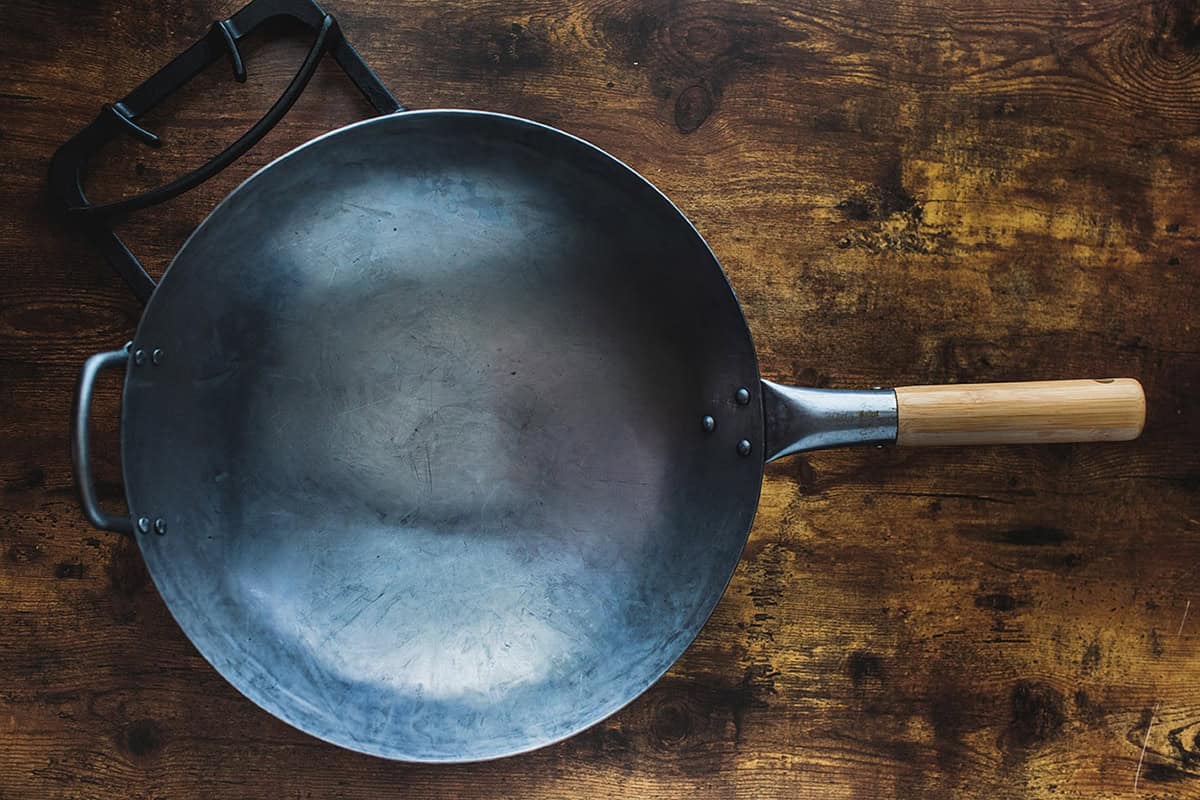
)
(443, 433)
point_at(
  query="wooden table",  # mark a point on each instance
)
(900, 194)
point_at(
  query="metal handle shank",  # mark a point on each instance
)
(81, 449)
(800, 419)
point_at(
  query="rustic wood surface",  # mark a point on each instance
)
(901, 193)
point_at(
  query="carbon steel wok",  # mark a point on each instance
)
(442, 435)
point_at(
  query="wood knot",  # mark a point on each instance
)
(862, 666)
(692, 108)
(1037, 713)
(671, 725)
(142, 737)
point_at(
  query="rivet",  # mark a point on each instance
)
(742, 396)
(139, 357)
(708, 424)
(157, 355)
(144, 524)
(878, 447)
(744, 447)
(160, 526)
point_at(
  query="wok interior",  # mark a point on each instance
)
(427, 436)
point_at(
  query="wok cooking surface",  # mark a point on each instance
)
(426, 433)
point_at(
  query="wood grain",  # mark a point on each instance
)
(1020, 412)
(902, 193)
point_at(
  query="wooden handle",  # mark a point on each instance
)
(1109, 410)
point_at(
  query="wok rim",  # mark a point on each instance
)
(277, 711)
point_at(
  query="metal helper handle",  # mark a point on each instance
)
(81, 449)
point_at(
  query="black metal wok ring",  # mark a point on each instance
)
(120, 119)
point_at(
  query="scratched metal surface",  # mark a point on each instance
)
(427, 436)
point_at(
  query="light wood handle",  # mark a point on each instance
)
(1109, 410)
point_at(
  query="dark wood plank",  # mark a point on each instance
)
(900, 193)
